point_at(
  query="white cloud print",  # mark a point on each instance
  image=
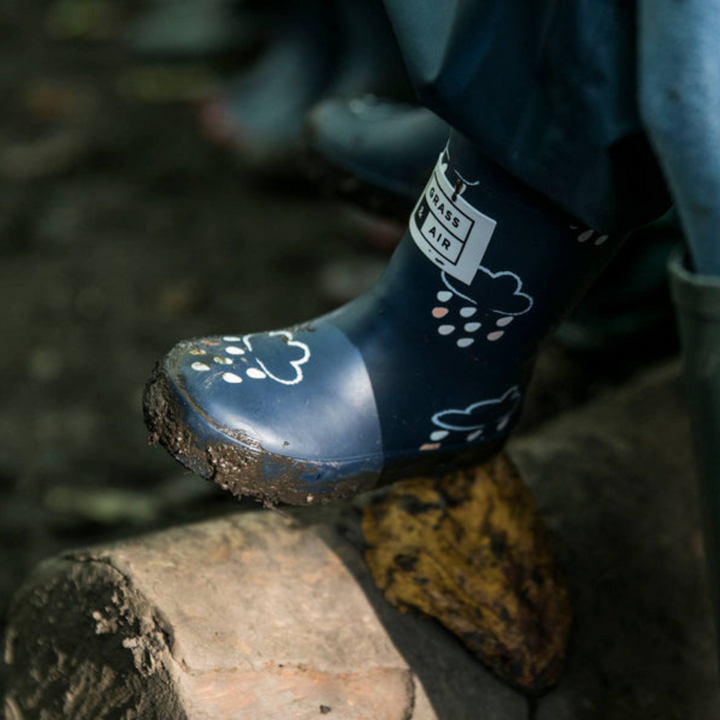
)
(499, 292)
(481, 414)
(279, 355)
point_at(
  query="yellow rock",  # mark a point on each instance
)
(471, 551)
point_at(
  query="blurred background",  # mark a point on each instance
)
(122, 231)
(129, 221)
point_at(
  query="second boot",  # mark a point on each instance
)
(697, 305)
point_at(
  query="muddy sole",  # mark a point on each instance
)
(241, 466)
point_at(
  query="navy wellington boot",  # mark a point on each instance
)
(374, 153)
(424, 373)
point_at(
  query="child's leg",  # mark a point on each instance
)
(680, 102)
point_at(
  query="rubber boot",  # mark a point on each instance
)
(375, 153)
(697, 304)
(261, 111)
(319, 48)
(424, 373)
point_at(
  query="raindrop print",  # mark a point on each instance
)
(232, 378)
(444, 295)
(472, 327)
(493, 336)
(222, 360)
(504, 322)
(446, 329)
(197, 351)
(256, 374)
(468, 312)
(439, 312)
(200, 367)
(474, 435)
(601, 240)
(465, 342)
(584, 237)
(232, 338)
(429, 446)
(232, 350)
(439, 435)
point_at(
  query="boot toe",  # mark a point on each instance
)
(285, 415)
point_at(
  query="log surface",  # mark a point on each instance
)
(252, 616)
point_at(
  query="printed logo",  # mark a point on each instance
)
(448, 230)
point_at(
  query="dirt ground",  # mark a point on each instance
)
(122, 231)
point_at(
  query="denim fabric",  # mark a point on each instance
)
(546, 89)
(680, 102)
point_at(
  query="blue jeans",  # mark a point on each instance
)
(679, 72)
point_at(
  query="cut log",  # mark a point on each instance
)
(250, 617)
(265, 617)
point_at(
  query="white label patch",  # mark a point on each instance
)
(448, 230)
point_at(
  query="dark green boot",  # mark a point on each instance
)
(697, 304)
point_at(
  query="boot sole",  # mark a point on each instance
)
(241, 466)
